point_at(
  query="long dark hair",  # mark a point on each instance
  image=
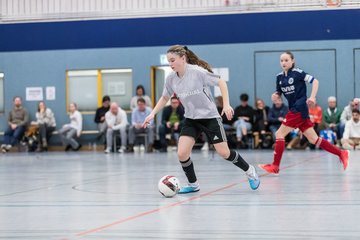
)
(140, 87)
(190, 56)
(38, 109)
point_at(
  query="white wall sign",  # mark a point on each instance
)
(224, 75)
(116, 88)
(50, 93)
(34, 94)
(163, 59)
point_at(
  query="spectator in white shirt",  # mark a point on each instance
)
(116, 120)
(347, 114)
(69, 132)
(351, 136)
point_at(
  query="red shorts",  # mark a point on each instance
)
(294, 120)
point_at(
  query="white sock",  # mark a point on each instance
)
(195, 184)
(251, 171)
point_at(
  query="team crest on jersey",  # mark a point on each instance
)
(291, 81)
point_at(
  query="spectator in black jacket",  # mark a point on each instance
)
(261, 122)
(100, 116)
(276, 115)
(244, 117)
(172, 118)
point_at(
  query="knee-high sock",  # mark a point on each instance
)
(188, 168)
(278, 150)
(237, 160)
(328, 146)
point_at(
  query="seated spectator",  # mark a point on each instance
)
(315, 115)
(140, 93)
(276, 115)
(297, 140)
(17, 120)
(351, 136)
(137, 118)
(45, 121)
(100, 116)
(331, 117)
(171, 121)
(261, 123)
(116, 120)
(69, 132)
(347, 114)
(231, 139)
(243, 117)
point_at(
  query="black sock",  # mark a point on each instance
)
(188, 168)
(238, 161)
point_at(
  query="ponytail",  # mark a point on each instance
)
(191, 57)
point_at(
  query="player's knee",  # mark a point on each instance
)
(279, 134)
(224, 153)
(183, 155)
(312, 140)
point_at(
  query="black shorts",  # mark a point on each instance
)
(213, 128)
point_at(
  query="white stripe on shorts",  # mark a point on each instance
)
(222, 130)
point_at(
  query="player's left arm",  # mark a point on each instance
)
(314, 90)
(227, 109)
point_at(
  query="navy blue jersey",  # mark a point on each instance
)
(293, 86)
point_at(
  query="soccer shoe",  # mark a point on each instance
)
(189, 188)
(270, 168)
(122, 149)
(344, 158)
(253, 178)
(205, 147)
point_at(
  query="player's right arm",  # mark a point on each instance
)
(159, 105)
(277, 94)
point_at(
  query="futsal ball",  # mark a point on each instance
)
(169, 186)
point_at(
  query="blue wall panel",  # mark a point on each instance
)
(213, 29)
(357, 72)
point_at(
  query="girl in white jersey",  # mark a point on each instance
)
(191, 81)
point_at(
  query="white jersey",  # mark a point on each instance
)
(193, 90)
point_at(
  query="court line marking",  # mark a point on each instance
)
(142, 214)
